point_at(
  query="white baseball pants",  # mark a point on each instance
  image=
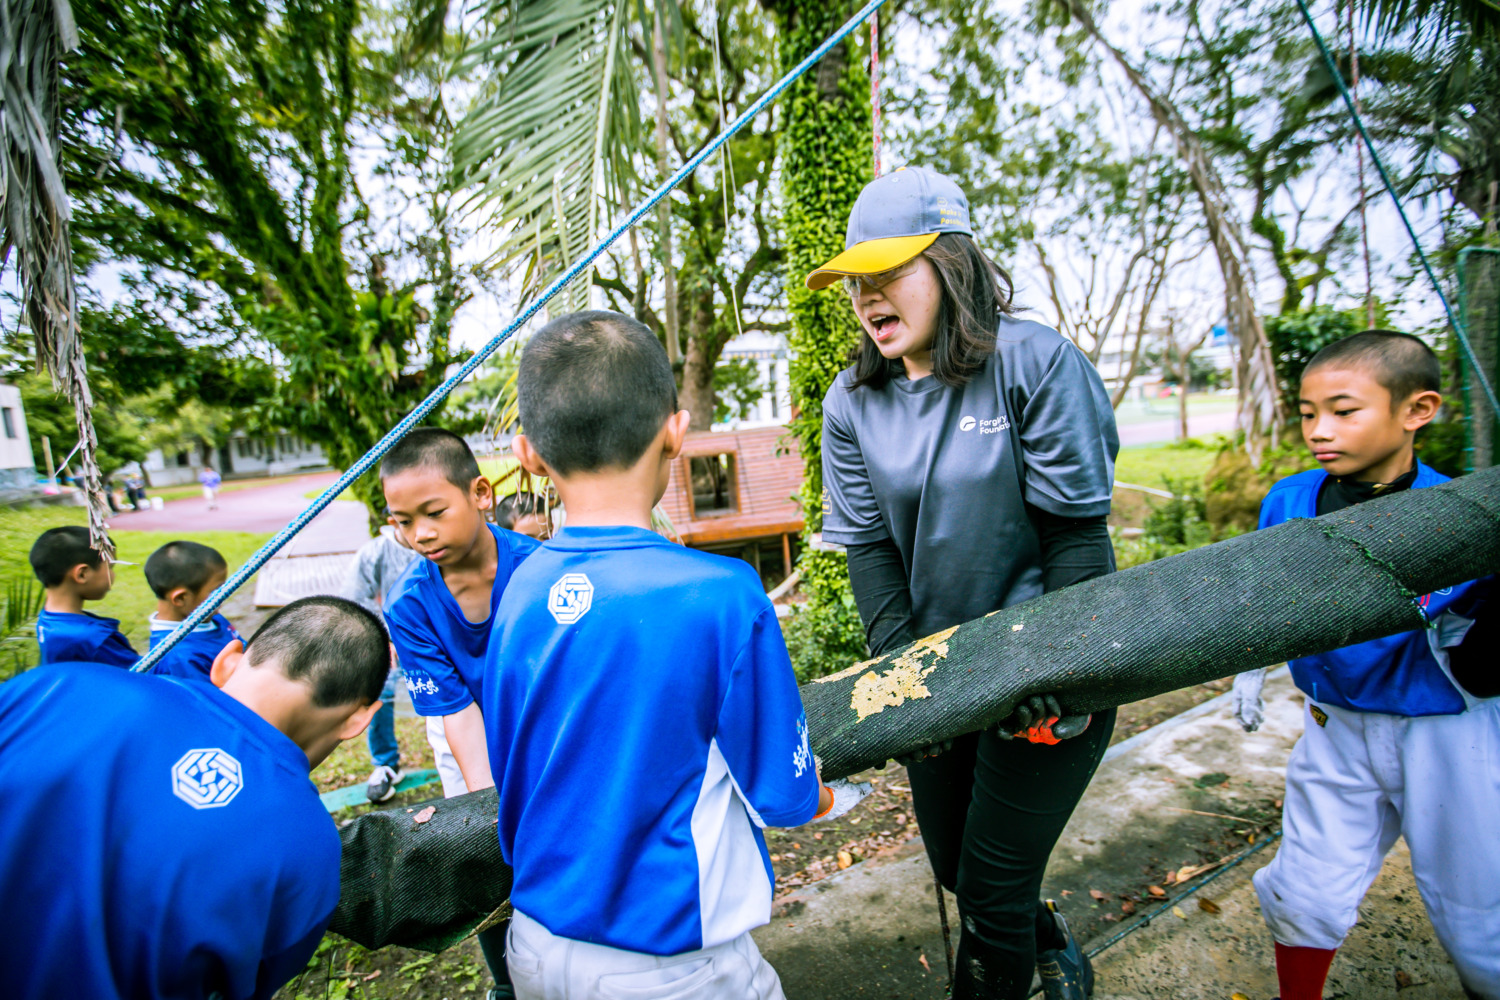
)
(1355, 782)
(447, 764)
(544, 966)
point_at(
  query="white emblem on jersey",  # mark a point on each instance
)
(988, 426)
(570, 598)
(802, 757)
(206, 778)
(966, 423)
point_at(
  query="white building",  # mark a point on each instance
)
(768, 352)
(243, 457)
(17, 464)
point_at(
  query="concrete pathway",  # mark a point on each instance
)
(1158, 431)
(866, 932)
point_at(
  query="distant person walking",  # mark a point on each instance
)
(210, 480)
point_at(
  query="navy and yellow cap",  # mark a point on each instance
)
(895, 218)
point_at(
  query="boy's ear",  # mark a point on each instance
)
(1421, 408)
(178, 596)
(677, 430)
(80, 574)
(483, 492)
(226, 663)
(529, 457)
(358, 721)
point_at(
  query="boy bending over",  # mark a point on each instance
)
(642, 715)
(72, 572)
(161, 838)
(182, 575)
(1401, 733)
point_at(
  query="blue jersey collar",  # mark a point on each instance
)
(157, 625)
(591, 538)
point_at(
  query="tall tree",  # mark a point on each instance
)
(218, 140)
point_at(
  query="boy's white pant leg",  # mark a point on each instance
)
(1357, 782)
(447, 764)
(544, 966)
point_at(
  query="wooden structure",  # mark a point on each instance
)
(734, 492)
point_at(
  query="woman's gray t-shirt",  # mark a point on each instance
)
(946, 473)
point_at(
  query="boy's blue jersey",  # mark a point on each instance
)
(192, 658)
(440, 651)
(1396, 675)
(83, 638)
(159, 840)
(643, 722)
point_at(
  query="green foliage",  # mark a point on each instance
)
(1295, 337)
(238, 193)
(737, 388)
(824, 635)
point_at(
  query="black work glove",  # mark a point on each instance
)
(1040, 719)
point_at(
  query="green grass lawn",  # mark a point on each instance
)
(131, 600)
(1152, 464)
(1145, 411)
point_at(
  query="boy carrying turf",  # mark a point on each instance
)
(1402, 733)
(73, 572)
(439, 610)
(161, 838)
(642, 715)
(182, 575)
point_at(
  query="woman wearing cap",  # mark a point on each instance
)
(968, 463)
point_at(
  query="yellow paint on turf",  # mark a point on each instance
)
(875, 692)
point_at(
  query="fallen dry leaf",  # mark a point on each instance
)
(1067, 892)
(845, 860)
(1171, 877)
(1127, 907)
(1208, 905)
(1403, 980)
(1110, 917)
(1177, 912)
(372, 975)
(818, 836)
(796, 847)
(1100, 896)
(1157, 891)
(923, 960)
(425, 815)
(1238, 996)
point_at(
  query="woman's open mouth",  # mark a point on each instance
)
(883, 326)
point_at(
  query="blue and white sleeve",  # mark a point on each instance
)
(762, 731)
(433, 680)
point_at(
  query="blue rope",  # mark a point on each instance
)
(427, 405)
(1453, 320)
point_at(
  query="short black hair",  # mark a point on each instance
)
(516, 506)
(182, 564)
(594, 389)
(57, 550)
(1401, 363)
(338, 648)
(441, 451)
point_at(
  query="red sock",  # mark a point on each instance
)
(1301, 971)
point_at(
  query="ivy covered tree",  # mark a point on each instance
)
(826, 161)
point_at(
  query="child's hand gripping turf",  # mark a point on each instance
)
(839, 796)
(1040, 719)
(1249, 708)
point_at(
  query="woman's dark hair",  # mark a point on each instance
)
(976, 292)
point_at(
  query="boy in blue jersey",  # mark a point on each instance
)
(1401, 733)
(439, 610)
(73, 572)
(162, 838)
(642, 715)
(182, 575)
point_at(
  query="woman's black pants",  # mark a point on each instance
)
(991, 810)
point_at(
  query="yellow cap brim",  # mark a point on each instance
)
(870, 257)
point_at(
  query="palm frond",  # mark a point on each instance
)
(34, 35)
(545, 152)
(1435, 19)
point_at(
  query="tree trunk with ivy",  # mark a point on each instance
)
(826, 160)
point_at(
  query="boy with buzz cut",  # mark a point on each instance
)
(642, 714)
(182, 575)
(1401, 733)
(162, 838)
(73, 572)
(439, 610)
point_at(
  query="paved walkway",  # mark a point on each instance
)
(873, 931)
(341, 527)
(1159, 431)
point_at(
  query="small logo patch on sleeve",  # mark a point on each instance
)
(1319, 716)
